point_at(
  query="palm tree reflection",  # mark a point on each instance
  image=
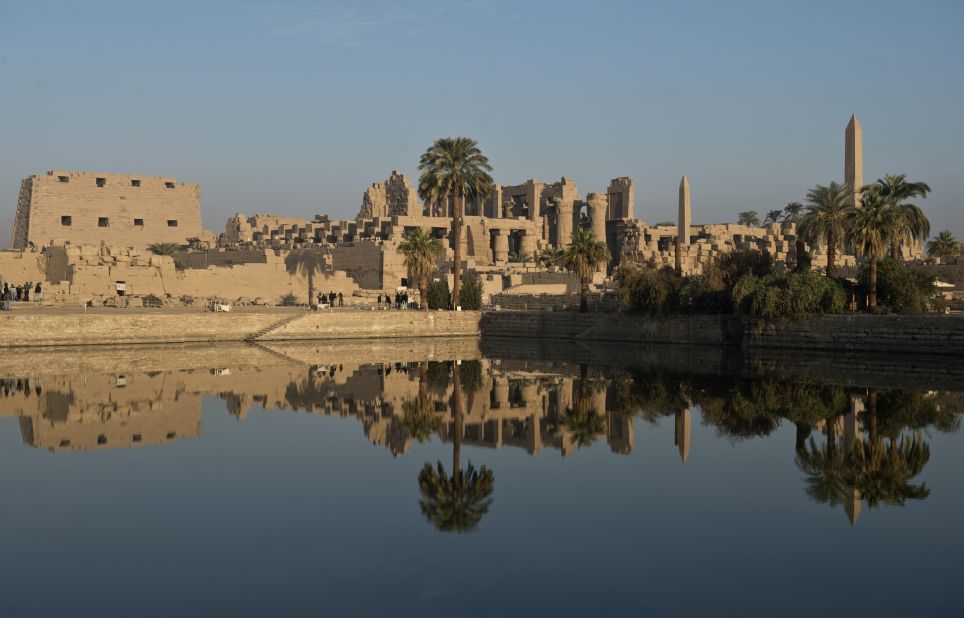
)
(458, 502)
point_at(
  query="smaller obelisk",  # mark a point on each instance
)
(685, 217)
(854, 157)
(681, 437)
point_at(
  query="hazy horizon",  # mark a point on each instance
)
(295, 109)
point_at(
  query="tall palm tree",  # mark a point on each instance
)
(867, 230)
(943, 245)
(826, 219)
(773, 216)
(584, 256)
(421, 251)
(306, 262)
(883, 475)
(910, 224)
(455, 503)
(749, 218)
(454, 169)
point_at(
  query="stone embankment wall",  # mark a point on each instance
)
(925, 334)
(123, 327)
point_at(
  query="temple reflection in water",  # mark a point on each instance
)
(853, 445)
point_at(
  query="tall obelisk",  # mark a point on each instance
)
(685, 217)
(854, 157)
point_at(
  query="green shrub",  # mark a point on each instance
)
(438, 294)
(735, 264)
(647, 289)
(788, 295)
(900, 289)
(470, 295)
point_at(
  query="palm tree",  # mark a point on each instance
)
(548, 257)
(943, 245)
(454, 168)
(584, 256)
(792, 212)
(867, 230)
(749, 218)
(826, 219)
(164, 248)
(883, 474)
(421, 251)
(455, 503)
(305, 262)
(773, 216)
(910, 224)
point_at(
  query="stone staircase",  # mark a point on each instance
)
(252, 337)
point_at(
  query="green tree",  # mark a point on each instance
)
(584, 256)
(867, 230)
(943, 245)
(438, 294)
(164, 248)
(909, 224)
(793, 213)
(305, 262)
(454, 169)
(773, 216)
(421, 251)
(749, 218)
(470, 296)
(826, 219)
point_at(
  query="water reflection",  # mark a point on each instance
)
(853, 446)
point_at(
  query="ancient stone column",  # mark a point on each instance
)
(501, 395)
(563, 224)
(598, 204)
(685, 217)
(501, 253)
(854, 157)
(527, 242)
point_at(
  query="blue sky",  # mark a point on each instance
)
(296, 107)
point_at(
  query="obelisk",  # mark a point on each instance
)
(684, 219)
(854, 157)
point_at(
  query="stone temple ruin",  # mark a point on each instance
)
(87, 235)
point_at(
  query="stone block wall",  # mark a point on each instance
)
(183, 326)
(118, 209)
(924, 334)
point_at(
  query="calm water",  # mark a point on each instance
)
(319, 480)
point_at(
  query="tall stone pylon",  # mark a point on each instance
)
(685, 217)
(854, 157)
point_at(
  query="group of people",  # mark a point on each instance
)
(19, 293)
(331, 298)
(400, 300)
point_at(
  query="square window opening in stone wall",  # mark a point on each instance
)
(101, 182)
(66, 220)
(138, 223)
(135, 183)
(172, 223)
(63, 178)
(103, 222)
(101, 439)
(169, 185)
(136, 437)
